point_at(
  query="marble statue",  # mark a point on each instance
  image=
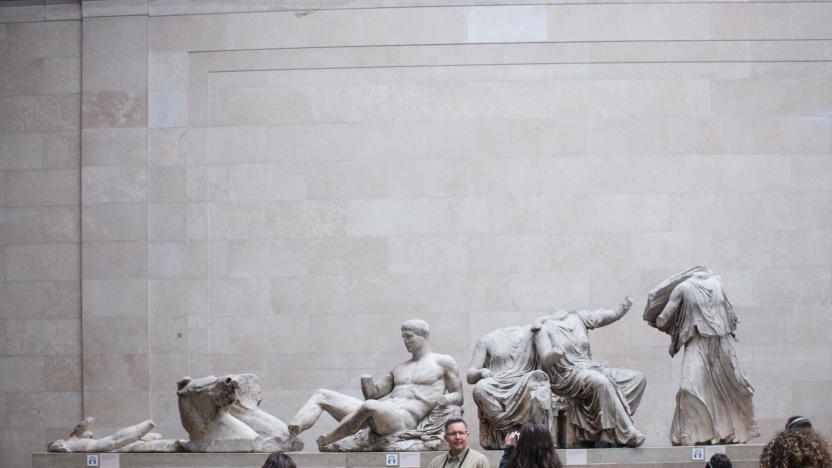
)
(713, 404)
(404, 411)
(509, 387)
(224, 415)
(602, 400)
(81, 439)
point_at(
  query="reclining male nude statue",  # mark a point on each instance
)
(602, 400)
(404, 411)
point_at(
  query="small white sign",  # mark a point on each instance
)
(110, 460)
(697, 454)
(576, 457)
(713, 449)
(93, 459)
(391, 459)
(409, 460)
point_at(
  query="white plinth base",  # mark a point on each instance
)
(742, 456)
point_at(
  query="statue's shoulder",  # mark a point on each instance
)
(445, 360)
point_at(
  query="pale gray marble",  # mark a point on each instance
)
(224, 415)
(404, 411)
(510, 389)
(714, 402)
(81, 438)
(602, 400)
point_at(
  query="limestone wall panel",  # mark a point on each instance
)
(114, 109)
(39, 225)
(114, 73)
(39, 113)
(123, 259)
(111, 408)
(115, 347)
(167, 221)
(109, 222)
(167, 259)
(52, 262)
(264, 187)
(63, 374)
(167, 146)
(41, 39)
(167, 298)
(114, 184)
(63, 150)
(167, 370)
(101, 295)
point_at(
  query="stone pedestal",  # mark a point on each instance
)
(742, 456)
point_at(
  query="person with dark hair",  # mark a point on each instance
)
(798, 422)
(719, 460)
(532, 447)
(797, 448)
(279, 460)
(459, 454)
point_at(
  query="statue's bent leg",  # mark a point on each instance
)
(488, 405)
(632, 383)
(604, 411)
(334, 403)
(385, 419)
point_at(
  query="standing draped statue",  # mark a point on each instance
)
(713, 404)
(509, 387)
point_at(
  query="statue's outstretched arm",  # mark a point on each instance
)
(607, 316)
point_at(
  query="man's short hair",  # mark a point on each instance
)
(455, 421)
(419, 327)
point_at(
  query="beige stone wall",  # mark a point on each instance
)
(275, 191)
(40, 301)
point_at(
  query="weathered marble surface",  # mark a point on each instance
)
(404, 411)
(602, 400)
(136, 438)
(714, 402)
(510, 389)
(742, 456)
(224, 415)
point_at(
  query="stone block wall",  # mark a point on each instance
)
(274, 189)
(40, 229)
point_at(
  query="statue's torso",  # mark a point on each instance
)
(571, 334)
(417, 385)
(510, 349)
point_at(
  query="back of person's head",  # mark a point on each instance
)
(279, 460)
(796, 448)
(798, 422)
(534, 449)
(719, 460)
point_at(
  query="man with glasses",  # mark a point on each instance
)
(459, 454)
